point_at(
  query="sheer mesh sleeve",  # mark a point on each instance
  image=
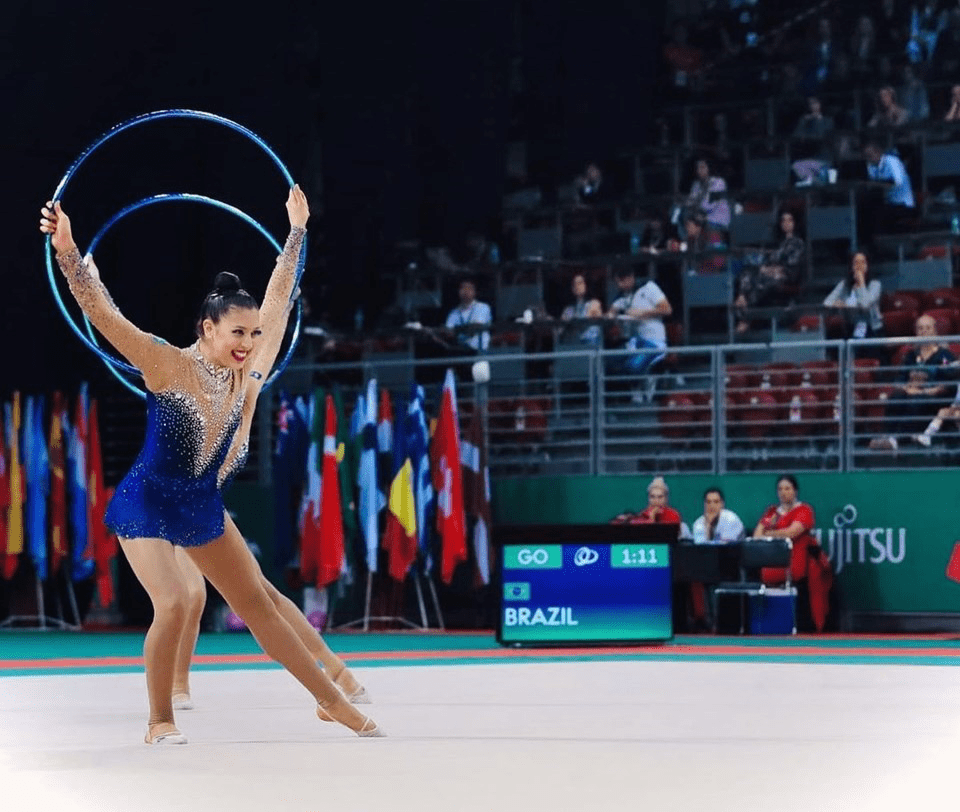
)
(153, 357)
(276, 305)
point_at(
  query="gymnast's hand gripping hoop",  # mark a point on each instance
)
(114, 364)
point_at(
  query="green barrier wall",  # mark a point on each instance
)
(888, 534)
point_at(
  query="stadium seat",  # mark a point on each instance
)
(941, 298)
(741, 377)
(779, 376)
(818, 373)
(518, 421)
(808, 323)
(900, 357)
(899, 322)
(899, 300)
(803, 410)
(863, 372)
(677, 413)
(756, 413)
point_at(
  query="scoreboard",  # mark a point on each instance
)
(586, 592)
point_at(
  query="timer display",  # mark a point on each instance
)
(584, 593)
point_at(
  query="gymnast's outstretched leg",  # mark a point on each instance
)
(154, 563)
(227, 564)
(196, 588)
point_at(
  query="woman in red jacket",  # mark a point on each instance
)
(810, 568)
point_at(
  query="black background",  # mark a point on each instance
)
(394, 119)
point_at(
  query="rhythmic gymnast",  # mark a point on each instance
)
(200, 405)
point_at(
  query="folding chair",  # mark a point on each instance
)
(756, 553)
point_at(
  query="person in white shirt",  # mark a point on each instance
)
(717, 525)
(644, 310)
(470, 311)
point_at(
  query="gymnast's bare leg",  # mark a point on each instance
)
(155, 565)
(335, 667)
(231, 569)
(196, 590)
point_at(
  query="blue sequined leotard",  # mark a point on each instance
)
(198, 414)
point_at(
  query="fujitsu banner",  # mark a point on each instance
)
(888, 534)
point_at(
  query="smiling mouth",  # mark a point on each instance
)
(238, 356)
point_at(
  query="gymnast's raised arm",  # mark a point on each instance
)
(277, 300)
(149, 354)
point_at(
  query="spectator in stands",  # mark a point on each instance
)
(927, 21)
(896, 205)
(708, 196)
(863, 46)
(953, 112)
(470, 312)
(644, 311)
(810, 568)
(589, 185)
(926, 372)
(700, 239)
(780, 270)
(946, 57)
(655, 238)
(717, 525)
(858, 297)
(813, 125)
(584, 307)
(888, 113)
(951, 412)
(913, 95)
(823, 50)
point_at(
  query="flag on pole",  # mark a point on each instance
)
(17, 492)
(331, 557)
(385, 435)
(82, 553)
(476, 492)
(347, 464)
(400, 536)
(310, 505)
(289, 463)
(102, 541)
(371, 500)
(58, 485)
(4, 494)
(37, 470)
(417, 435)
(448, 482)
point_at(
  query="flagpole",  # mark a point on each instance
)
(423, 608)
(436, 602)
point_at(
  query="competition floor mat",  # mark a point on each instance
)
(827, 723)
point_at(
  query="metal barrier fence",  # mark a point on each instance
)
(792, 406)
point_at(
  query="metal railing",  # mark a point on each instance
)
(797, 406)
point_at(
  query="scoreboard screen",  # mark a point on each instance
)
(587, 592)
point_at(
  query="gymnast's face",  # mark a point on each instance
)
(231, 340)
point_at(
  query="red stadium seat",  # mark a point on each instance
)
(742, 376)
(808, 323)
(900, 300)
(803, 410)
(677, 413)
(900, 357)
(900, 322)
(757, 413)
(779, 375)
(511, 339)
(863, 370)
(941, 298)
(819, 373)
(520, 421)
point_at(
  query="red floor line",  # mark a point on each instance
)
(510, 653)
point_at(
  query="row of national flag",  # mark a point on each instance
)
(382, 480)
(52, 494)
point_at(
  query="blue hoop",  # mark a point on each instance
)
(115, 364)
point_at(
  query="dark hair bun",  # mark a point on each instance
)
(226, 282)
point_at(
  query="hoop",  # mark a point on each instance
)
(115, 364)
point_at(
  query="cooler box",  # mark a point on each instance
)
(773, 612)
